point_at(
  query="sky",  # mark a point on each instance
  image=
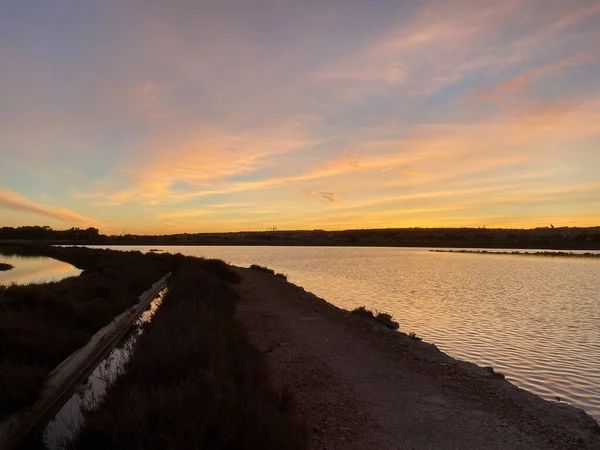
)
(159, 117)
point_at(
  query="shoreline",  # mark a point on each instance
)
(330, 339)
(370, 244)
(547, 254)
(550, 245)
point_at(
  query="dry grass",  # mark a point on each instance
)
(194, 381)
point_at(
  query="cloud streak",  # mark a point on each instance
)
(518, 82)
(12, 201)
(330, 197)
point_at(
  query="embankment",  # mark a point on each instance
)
(359, 385)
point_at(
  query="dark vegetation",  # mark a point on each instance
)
(381, 317)
(558, 238)
(551, 254)
(4, 267)
(267, 270)
(45, 233)
(42, 324)
(194, 381)
(414, 336)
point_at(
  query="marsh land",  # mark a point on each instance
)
(269, 362)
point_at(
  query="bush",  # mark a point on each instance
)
(381, 317)
(269, 271)
(414, 336)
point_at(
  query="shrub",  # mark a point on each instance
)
(414, 336)
(269, 271)
(381, 317)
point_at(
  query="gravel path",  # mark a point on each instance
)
(361, 386)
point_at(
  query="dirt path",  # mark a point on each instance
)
(361, 386)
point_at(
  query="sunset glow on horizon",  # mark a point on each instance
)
(159, 117)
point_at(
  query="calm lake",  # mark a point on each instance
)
(35, 269)
(535, 319)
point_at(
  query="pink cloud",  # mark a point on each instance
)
(518, 82)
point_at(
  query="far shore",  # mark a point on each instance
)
(370, 244)
(519, 253)
(541, 238)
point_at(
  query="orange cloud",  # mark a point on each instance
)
(356, 165)
(436, 149)
(13, 201)
(411, 172)
(201, 160)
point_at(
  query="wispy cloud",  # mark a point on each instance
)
(331, 197)
(12, 201)
(518, 82)
(576, 15)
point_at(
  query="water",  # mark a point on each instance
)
(70, 418)
(35, 269)
(534, 318)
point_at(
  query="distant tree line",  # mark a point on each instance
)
(46, 233)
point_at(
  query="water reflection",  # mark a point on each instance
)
(35, 269)
(69, 419)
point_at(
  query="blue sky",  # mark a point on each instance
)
(165, 117)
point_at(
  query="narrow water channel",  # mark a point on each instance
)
(89, 394)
